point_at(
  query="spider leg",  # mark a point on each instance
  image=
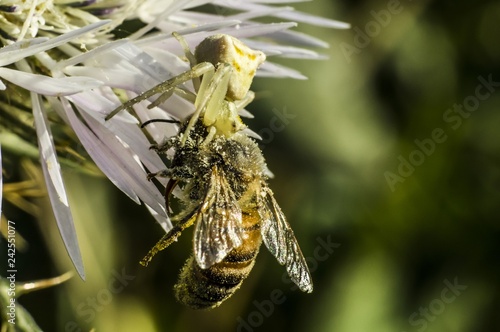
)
(165, 87)
(210, 98)
(241, 104)
(185, 47)
(189, 55)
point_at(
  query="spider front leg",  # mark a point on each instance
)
(241, 104)
(188, 54)
(165, 88)
(212, 105)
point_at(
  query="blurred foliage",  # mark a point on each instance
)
(400, 245)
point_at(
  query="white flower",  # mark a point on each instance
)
(62, 52)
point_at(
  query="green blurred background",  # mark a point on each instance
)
(415, 248)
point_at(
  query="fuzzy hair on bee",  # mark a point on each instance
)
(221, 174)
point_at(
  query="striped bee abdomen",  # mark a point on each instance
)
(207, 288)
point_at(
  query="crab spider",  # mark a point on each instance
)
(226, 67)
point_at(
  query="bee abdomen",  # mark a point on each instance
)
(207, 288)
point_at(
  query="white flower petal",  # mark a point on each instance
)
(55, 186)
(259, 12)
(101, 154)
(46, 85)
(158, 131)
(134, 70)
(2, 85)
(281, 12)
(115, 159)
(171, 62)
(167, 10)
(283, 51)
(146, 64)
(90, 54)
(257, 29)
(15, 55)
(112, 77)
(8, 51)
(129, 68)
(128, 132)
(297, 16)
(297, 38)
(249, 132)
(276, 1)
(145, 190)
(213, 26)
(246, 114)
(244, 31)
(269, 69)
(46, 146)
(164, 222)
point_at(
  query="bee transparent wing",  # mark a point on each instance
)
(219, 223)
(281, 242)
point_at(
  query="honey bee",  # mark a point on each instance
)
(222, 176)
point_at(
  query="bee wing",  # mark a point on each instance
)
(281, 242)
(219, 223)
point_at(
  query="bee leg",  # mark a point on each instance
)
(168, 238)
(156, 147)
(165, 173)
(165, 146)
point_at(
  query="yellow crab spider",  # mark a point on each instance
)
(227, 67)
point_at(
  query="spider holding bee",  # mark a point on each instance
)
(222, 176)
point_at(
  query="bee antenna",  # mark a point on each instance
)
(159, 120)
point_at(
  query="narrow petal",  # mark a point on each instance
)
(128, 131)
(160, 131)
(164, 222)
(277, 1)
(14, 55)
(244, 31)
(7, 51)
(259, 12)
(114, 158)
(282, 12)
(297, 38)
(269, 69)
(55, 187)
(167, 11)
(145, 190)
(90, 54)
(46, 85)
(297, 16)
(100, 154)
(249, 132)
(284, 51)
(213, 26)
